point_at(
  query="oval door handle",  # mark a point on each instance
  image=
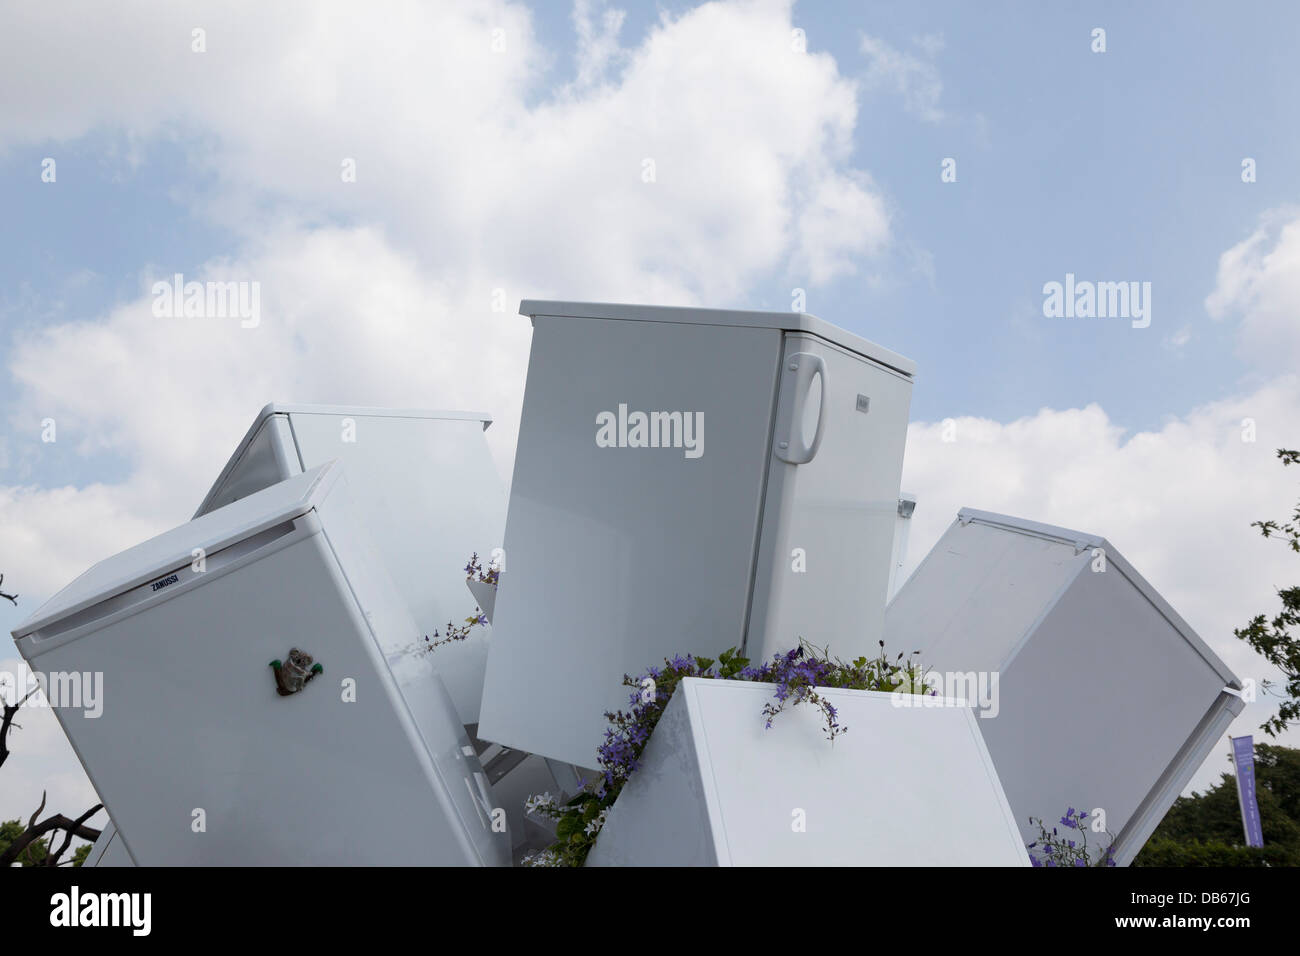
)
(802, 368)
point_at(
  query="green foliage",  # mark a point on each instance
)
(1273, 638)
(36, 851)
(1205, 828)
(1160, 851)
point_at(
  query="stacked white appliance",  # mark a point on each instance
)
(426, 489)
(687, 480)
(1092, 692)
(263, 696)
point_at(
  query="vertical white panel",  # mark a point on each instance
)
(620, 556)
(828, 523)
(429, 496)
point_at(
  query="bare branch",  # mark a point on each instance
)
(57, 822)
(32, 822)
(76, 829)
(7, 721)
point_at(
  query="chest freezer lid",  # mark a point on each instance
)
(785, 321)
(357, 411)
(1114, 559)
(172, 549)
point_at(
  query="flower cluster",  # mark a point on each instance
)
(796, 674)
(474, 571)
(458, 632)
(542, 858)
(1057, 849)
(537, 803)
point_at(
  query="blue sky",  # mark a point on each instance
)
(1122, 165)
(481, 170)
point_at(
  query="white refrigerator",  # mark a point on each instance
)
(715, 788)
(427, 490)
(259, 698)
(687, 480)
(1092, 692)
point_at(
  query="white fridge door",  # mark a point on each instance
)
(200, 760)
(429, 496)
(617, 557)
(832, 502)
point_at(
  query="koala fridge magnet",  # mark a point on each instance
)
(293, 673)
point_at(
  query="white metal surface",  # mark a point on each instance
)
(621, 556)
(199, 760)
(108, 850)
(1106, 697)
(425, 487)
(904, 786)
(902, 531)
(734, 318)
(827, 530)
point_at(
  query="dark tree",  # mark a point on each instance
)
(1205, 829)
(33, 845)
(1273, 639)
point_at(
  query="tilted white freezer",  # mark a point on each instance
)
(198, 756)
(1106, 698)
(687, 480)
(903, 786)
(423, 483)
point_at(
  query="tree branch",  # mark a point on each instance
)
(57, 822)
(77, 828)
(7, 721)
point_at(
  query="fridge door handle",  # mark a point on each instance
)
(800, 370)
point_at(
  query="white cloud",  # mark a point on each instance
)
(597, 26)
(839, 225)
(1178, 339)
(478, 188)
(458, 154)
(1258, 283)
(345, 319)
(914, 79)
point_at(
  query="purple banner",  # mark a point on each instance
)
(1243, 756)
